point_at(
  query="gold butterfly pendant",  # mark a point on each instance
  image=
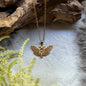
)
(42, 50)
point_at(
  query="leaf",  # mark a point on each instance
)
(2, 38)
(22, 48)
(8, 53)
(5, 83)
(3, 48)
(11, 64)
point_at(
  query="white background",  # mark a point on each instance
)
(60, 67)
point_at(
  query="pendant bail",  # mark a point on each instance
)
(41, 42)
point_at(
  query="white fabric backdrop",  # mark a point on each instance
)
(61, 66)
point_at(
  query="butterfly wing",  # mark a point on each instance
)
(35, 50)
(47, 50)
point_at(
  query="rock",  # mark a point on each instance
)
(18, 13)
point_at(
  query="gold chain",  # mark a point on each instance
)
(44, 19)
(37, 22)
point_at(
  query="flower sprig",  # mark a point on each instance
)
(23, 75)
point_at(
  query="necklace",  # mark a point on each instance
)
(41, 50)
